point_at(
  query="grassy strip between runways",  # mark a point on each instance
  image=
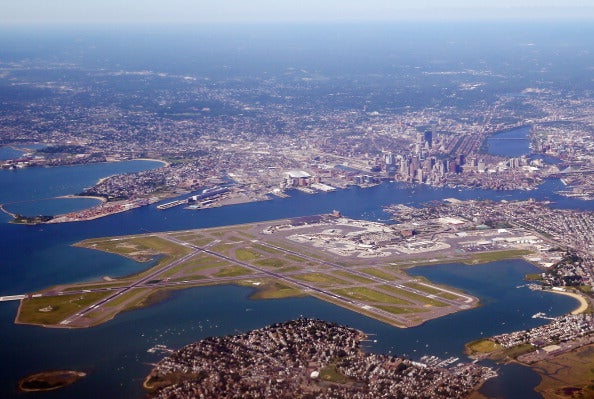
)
(384, 275)
(267, 249)
(131, 299)
(195, 265)
(52, 310)
(433, 291)
(320, 278)
(487, 257)
(412, 296)
(353, 277)
(398, 309)
(275, 290)
(370, 295)
(93, 286)
(245, 255)
(270, 262)
(233, 271)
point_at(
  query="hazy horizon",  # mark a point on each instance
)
(70, 12)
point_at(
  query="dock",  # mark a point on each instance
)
(171, 204)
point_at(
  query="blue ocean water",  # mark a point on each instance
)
(33, 191)
(114, 354)
(41, 183)
(51, 206)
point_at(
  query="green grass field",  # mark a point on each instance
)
(482, 346)
(270, 262)
(369, 295)
(245, 255)
(233, 271)
(486, 257)
(52, 310)
(275, 290)
(320, 278)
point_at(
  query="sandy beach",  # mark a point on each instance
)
(583, 302)
(73, 196)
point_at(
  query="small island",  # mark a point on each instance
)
(50, 380)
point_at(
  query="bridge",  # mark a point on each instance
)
(508, 139)
(572, 172)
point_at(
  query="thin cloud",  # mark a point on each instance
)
(228, 11)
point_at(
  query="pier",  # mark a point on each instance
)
(171, 204)
(12, 298)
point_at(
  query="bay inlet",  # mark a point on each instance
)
(115, 356)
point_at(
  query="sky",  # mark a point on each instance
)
(65, 12)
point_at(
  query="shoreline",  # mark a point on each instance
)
(74, 196)
(165, 163)
(102, 200)
(467, 300)
(6, 211)
(50, 380)
(580, 298)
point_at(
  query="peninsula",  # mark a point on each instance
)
(559, 351)
(305, 358)
(355, 264)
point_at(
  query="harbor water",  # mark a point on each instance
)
(115, 354)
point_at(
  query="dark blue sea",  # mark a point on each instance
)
(114, 354)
